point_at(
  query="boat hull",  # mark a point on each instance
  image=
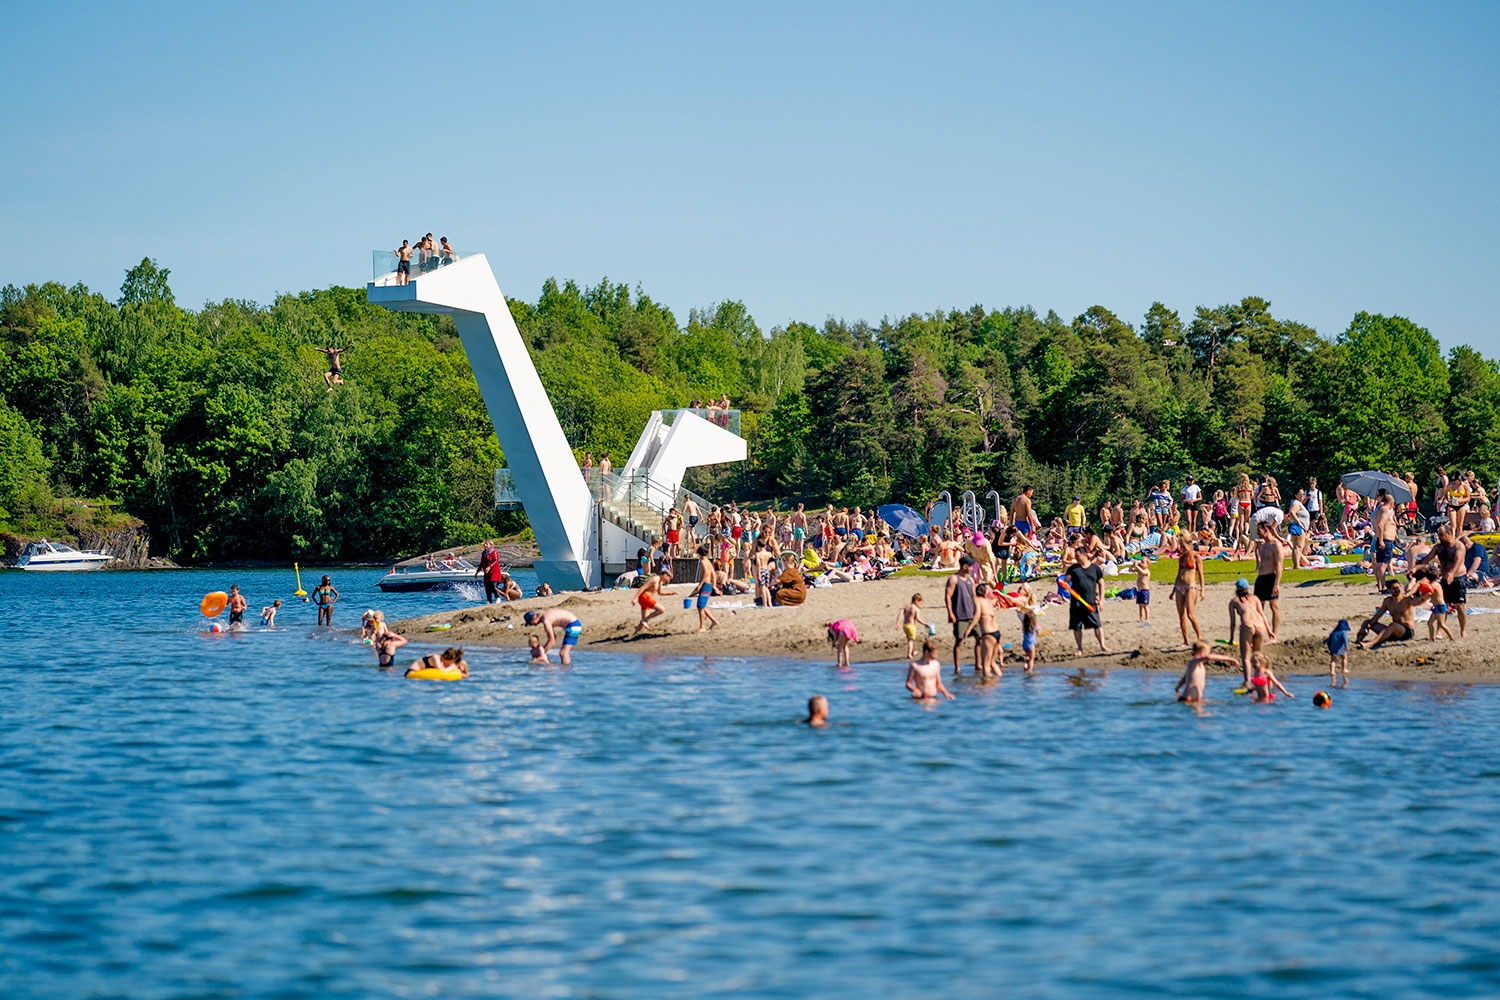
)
(404, 582)
(69, 566)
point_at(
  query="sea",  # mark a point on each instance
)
(265, 813)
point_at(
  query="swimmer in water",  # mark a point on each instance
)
(924, 677)
(817, 712)
(386, 643)
(448, 659)
(268, 613)
(1195, 677)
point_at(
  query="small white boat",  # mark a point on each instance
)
(443, 574)
(56, 557)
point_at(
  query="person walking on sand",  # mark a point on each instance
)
(1269, 562)
(910, 618)
(1143, 590)
(1084, 579)
(654, 587)
(1383, 528)
(1187, 590)
(924, 677)
(1195, 676)
(958, 597)
(706, 589)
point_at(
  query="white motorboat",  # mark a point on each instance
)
(57, 557)
(440, 574)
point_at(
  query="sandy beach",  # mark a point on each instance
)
(1309, 612)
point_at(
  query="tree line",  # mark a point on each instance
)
(216, 429)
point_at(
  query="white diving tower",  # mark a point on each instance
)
(579, 530)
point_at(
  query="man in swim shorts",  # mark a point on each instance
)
(1269, 560)
(958, 595)
(706, 578)
(553, 621)
(1021, 514)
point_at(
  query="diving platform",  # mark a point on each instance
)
(577, 529)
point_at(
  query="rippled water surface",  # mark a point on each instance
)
(266, 814)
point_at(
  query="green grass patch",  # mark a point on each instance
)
(1224, 571)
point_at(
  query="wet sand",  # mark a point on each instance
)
(1309, 612)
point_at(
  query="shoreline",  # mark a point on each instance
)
(1309, 613)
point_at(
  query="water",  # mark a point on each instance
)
(186, 815)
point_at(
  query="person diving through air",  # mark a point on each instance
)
(335, 373)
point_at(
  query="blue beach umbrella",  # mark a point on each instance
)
(905, 520)
(1367, 484)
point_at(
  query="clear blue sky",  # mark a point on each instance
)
(855, 160)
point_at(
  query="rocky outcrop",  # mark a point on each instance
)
(129, 543)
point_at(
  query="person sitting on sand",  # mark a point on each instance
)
(817, 712)
(924, 677)
(543, 590)
(654, 587)
(1195, 676)
(1245, 607)
(1263, 683)
(909, 618)
(386, 643)
(791, 589)
(553, 621)
(1403, 619)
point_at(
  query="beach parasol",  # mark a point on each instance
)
(1367, 484)
(905, 520)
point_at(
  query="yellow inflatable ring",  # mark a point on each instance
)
(214, 604)
(435, 674)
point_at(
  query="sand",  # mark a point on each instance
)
(1309, 612)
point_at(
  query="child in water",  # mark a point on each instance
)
(840, 634)
(1338, 650)
(924, 678)
(1263, 683)
(1195, 677)
(909, 618)
(268, 613)
(538, 655)
(1028, 637)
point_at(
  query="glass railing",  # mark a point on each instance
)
(386, 261)
(507, 497)
(727, 419)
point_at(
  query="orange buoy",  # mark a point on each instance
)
(214, 604)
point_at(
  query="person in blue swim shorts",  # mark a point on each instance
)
(555, 621)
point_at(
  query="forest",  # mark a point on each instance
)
(215, 427)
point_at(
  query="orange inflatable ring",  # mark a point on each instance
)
(214, 604)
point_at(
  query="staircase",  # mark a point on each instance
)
(639, 505)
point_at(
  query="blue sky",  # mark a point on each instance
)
(855, 160)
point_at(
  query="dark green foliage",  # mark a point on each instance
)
(217, 430)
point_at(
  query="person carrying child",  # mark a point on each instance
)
(910, 618)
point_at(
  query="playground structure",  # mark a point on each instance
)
(584, 530)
